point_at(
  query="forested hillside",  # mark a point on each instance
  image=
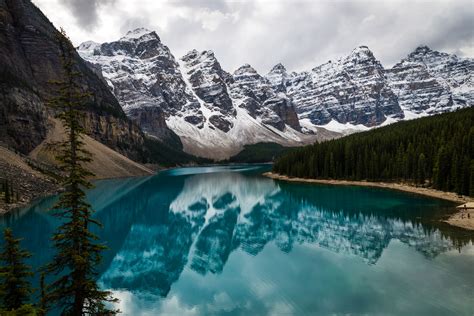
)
(435, 151)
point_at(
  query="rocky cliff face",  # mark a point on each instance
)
(430, 82)
(351, 90)
(417, 90)
(29, 61)
(449, 69)
(208, 81)
(256, 94)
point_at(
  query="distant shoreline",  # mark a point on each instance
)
(448, 196)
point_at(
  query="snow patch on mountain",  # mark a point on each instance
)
(346, 128)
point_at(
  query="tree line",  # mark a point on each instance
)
(73, 269)
(436, 151)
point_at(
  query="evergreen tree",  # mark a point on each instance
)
(15, 287)
(332, 166)
(42, 306)
(78, 250)
(421, 169)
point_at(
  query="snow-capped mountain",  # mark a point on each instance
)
(351, 90)
(144, 76)
(215, 113)
(429, 82)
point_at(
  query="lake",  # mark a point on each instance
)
(228, 241)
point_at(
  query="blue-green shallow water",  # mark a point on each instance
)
(227, 241)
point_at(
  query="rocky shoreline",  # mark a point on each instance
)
(28, 183)
(454, 220)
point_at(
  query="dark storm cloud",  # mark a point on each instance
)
(86, 11)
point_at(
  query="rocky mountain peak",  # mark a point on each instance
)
(144, 76)
(278, 78)
(426, 55)
(278, 68)
(191, 54)
(362, 53)
(208, 81)
(259, 97)
(421, 50)
(209, 53)
(194, 57)
(247, 77)
(205, 59)
(141, 43)
(88, 46)
(452, 74)
(245, 69)
(140, 33)
(350, 90)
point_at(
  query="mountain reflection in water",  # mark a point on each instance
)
(195, 218)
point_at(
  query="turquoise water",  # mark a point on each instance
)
(227, 241)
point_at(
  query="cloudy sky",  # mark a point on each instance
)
(298, 33)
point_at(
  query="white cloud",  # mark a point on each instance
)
(299, 33)
(368, 18)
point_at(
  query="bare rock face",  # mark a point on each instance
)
(22, 118)
(29, 61)
(285, 113)
(208, 81)
(256, 94)
(456, 72)
(417, 90)
(220, 122)
(352, 90)
(430, 82)
(152, 121)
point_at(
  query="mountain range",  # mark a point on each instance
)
(215, 113)
(150, 106)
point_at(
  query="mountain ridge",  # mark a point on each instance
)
(215, 112)
(211, 111)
